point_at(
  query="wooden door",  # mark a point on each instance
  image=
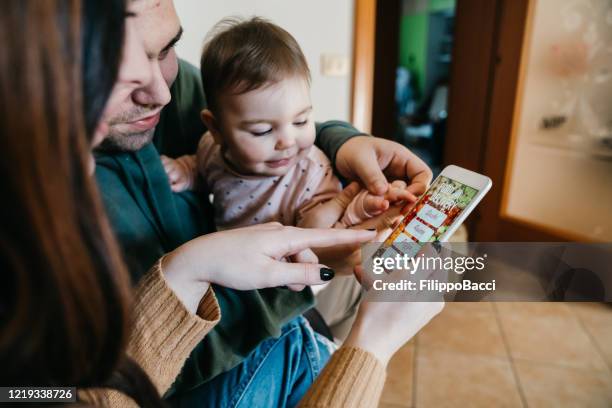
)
(536, 120)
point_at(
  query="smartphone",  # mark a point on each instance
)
(452, 196)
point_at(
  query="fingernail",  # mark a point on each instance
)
(371, 229)
(327, 274)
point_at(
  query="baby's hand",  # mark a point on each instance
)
(397, 192)
(181, 172)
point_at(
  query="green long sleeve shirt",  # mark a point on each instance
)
(150, 220)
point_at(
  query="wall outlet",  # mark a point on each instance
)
(334, 65)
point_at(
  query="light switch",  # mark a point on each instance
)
(334, 65)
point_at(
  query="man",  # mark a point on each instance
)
(150, 220)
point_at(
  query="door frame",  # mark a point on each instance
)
(375, 59)
(362, 89)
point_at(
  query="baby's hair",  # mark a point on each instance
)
(243, 55)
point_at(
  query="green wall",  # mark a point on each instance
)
(413, 47)
(414, 30)
(437, 5)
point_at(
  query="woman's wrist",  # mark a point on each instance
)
(373, 341)
(187, 285)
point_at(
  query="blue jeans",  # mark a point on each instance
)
(276, 374)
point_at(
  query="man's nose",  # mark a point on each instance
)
(156, 93)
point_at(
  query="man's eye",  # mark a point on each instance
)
(162, 55)
(263, 133)
(302, 123)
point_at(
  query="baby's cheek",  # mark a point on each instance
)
(255, 151)
(307, 137)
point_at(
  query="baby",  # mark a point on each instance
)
(258, 158)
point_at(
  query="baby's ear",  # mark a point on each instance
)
(211, 123)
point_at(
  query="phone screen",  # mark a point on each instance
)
(434, 213)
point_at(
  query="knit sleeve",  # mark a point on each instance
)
(352, 378)
(163, 335)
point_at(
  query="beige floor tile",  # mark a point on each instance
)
(548, 333)
(398, 388)
(558, 387)
(535, 309)
(468, 307)
(602, 336)
(470, 330)
(390, 405)
(455, 380)
(597, 320)
(595, 314)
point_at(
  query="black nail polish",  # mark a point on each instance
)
(327, 274)
(371, 229)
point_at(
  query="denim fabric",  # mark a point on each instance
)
(276, 374)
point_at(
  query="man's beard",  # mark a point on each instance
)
(121, 141)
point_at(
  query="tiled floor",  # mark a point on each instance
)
(507, 355)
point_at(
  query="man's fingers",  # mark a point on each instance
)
(370, 173)
(417, 188)
(178, 187)
(173, 172)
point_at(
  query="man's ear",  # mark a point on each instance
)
(212, 124)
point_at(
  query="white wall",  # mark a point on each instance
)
(320, 27)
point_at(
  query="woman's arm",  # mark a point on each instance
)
(164, 333)
(175, 309)
(355, 375)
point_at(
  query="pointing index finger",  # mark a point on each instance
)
(293, 240)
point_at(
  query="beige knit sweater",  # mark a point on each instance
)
(165, 333)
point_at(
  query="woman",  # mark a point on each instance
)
(65, 303)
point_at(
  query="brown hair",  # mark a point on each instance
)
(244, 55)
(64, 297)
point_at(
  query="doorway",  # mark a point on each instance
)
(479, 124)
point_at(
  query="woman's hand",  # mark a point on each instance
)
(382, 328)
(387, 320)
(252, 258)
